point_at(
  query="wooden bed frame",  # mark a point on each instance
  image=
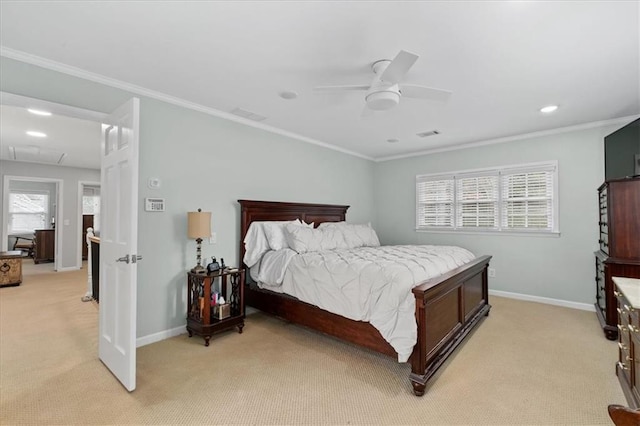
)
(448, 307)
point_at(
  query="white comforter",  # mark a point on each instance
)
(371, 284)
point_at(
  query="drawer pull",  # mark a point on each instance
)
(628, 358)
(629, 308)
(619, 311)
(621, 327)
(633, 329)
(616, 293)
(622, 346)
(622, 366)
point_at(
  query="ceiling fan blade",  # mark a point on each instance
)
(399, 67)
(345, 87)
(422, 92)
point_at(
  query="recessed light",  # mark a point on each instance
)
(548, 109)
(36, 134)
(288, 95)
(393, 140)
(38, 112)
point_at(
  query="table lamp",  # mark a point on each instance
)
(199, 228)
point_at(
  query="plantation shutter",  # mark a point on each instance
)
(527, 199)
(434, 202)
(477, 202)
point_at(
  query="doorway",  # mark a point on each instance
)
(30, 206)
(69, 137)
(89, 211)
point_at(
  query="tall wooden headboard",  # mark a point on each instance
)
(253, 211)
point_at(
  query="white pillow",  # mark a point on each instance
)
(355, 235)
(326, 224)
(303, 239)
(255, 244)
(257, 241)
(274, 232)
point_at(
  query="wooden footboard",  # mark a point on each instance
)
(447, 309)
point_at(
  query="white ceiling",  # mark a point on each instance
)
(503, 61)
(69, 142)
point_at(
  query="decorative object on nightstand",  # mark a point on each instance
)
(199, 228)
(213, 266)
(208, 311)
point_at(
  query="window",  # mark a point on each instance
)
(91, 204)
(28, 211)
(520, 198)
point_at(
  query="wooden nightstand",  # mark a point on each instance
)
(203, 317)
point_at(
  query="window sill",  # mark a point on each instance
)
(486, 232)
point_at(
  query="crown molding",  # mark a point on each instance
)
(143, 91)
(541, 133)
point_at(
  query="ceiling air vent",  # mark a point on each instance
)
(428, 133)
(248, 114)
(34, 154)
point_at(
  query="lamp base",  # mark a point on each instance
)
(198, 270)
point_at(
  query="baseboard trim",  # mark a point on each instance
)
(173, 332)
(161, 335)
(68, 268)
(545, 300)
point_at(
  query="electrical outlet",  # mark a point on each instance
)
(212, 238)
(492, 272)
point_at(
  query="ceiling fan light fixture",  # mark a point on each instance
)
(380, 101)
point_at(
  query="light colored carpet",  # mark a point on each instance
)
(527, 363)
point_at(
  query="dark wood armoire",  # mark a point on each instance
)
(619, 254)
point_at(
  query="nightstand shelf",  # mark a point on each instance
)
(203, 318)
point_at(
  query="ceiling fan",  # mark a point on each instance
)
(386, 88)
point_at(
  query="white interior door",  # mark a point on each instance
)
(119, 242)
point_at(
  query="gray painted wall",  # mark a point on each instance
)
(68, 236)
(553, 267)
(203, 162)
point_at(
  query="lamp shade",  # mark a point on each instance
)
(199, 224)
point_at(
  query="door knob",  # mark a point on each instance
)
(124, 259)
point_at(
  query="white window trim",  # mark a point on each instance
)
(555, 232)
